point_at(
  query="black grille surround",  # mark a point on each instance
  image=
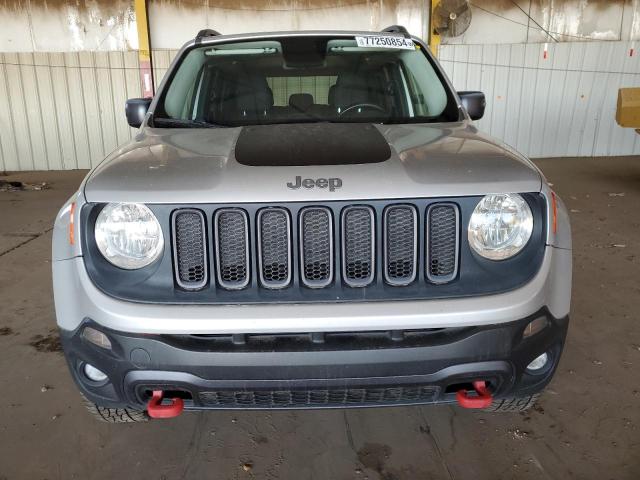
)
(473, 275)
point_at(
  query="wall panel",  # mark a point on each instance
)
(561, 105)
(16, 120)
(62, 111)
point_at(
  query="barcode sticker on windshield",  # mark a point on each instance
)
(374, 41)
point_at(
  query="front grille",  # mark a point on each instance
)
(190, 249)
(358, 242)
(391, 395)
(232, 248)
(343, 250)
(274, 242)
(400, 244)
(442, 242)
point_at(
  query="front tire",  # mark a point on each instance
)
(513, 404)
(115, 415)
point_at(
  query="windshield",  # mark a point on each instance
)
(367, 78)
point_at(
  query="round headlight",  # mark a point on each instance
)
(128, 235)
(500, 226)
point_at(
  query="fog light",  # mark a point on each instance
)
(96, 337)
(534, 327)
(538, 363)
(94, 374)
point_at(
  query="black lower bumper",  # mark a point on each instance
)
(315, 371)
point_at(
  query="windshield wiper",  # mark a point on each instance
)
(182, 123)
(410, 120)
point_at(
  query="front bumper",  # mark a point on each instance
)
(299, 371)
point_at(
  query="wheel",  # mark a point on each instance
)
(115, 415)
(513, 404)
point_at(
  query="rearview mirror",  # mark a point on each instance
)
(136, 109)
(474, 103)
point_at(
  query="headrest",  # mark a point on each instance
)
(269, 97)
(301, 101)
(253, 94)
(351, 89)
(332, 95)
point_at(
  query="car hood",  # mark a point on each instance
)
(201, 166)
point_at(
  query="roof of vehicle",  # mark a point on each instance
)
(213, 36)
(392, 29)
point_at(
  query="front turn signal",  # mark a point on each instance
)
(554, 207)
(72, 214)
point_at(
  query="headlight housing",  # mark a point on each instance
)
(500, 226)
(128, 235)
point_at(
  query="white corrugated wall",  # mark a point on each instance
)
(561, 105)
(63, 111)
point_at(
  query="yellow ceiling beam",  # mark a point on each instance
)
(144, 48)
(434, 37)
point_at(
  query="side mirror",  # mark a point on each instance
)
(136, 109)
(474, 103)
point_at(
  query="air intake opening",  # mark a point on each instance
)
(274, 245)
(232, 248)
(443, 232)
(358, 240)
(189, 243)
(320, 397)
(400, 244)
(316, 246)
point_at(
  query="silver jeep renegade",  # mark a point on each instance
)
(310, 220)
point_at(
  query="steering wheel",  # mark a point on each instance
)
(362, 105)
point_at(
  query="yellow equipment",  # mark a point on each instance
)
(628, 112)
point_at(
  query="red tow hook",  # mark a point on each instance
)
(482, 400)
(157, 410)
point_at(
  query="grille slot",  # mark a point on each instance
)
(232, 248)
(316, 246)
(442, 242)
(358, 246)
(400, 244)
(320, 397)
(274, 245)
(190, 256)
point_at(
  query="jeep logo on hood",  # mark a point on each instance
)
(332, 183)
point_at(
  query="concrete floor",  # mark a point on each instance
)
(587, 425)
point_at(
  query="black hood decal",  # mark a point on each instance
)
(309, 144)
